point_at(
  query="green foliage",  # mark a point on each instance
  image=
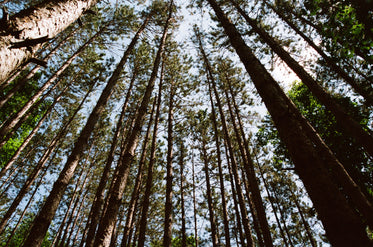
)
(12, 106)
(22, 232)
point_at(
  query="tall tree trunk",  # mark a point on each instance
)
(26, 30)
(249, 168)
(309, 154)
(100, 192)
(241, 199)
(46, 214)
(194, 203)
(108, 219)
(182, 202)
(234, 195)
(167, 236)
(350, 126)
(272, 205)
(136, 189)
(214, 234)
(331, 63)
(221, 178)
(149, 179)
(9, 125)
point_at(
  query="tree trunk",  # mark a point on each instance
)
(167, 236)
(149, 180)
(183, 220)
(136, 189)
(214, 234)
(231, 153)
(221, 178)
(107, 222)
(352, 128)
(100, 192)
(310, 157)
(44, 20)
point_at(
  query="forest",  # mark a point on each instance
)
(186, 123)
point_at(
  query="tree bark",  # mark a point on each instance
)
(46, 19)
(167, 236)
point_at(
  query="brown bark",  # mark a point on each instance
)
(100, 191)
(183, 220)
(194, 204)
(167, 236)
(221, 178)
(250, 172)
(309, 154)
(106, 225)
(46, 19)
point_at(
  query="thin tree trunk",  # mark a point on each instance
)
(214, 234)
(183, 220)
(136, 189)
(221, 178)
(167, 236)
(308, 152)
(100, 192)
(272, 205)
(149, 180)
(367, 95)
(249, 171)
(11, 161)
(8, 126)
(26, 30)
(234, 195)
(108, 220)
(46, 214)
(194, 204)
(229, 144)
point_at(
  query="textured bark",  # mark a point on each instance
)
(309, 154)
(22, 82)
(167, 236)
(194, 204)
(46, 19)
(108, 220)
(350, 126)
